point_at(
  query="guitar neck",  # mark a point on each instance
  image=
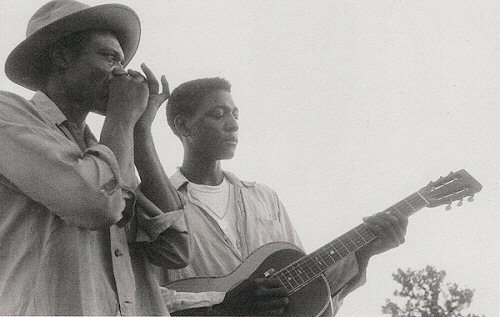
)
(301, 272)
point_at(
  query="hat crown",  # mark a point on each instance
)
(51, 12)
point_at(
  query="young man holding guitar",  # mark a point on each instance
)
(230, 218)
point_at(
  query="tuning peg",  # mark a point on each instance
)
(448, 208)
(460, 203)
(471, 198)
(451, 173)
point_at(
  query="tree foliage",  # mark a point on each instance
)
(423, 294)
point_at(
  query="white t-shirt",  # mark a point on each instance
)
(218, 201)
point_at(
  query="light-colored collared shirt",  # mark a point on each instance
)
(261, 218)
(64, 221)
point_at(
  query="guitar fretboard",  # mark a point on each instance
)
(301, 272)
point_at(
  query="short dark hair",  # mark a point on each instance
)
(186, 98)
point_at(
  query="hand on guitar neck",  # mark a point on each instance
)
(255, 297)
(390, 229)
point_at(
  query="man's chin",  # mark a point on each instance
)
(227, 156)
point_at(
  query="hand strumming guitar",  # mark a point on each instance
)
(257, 297)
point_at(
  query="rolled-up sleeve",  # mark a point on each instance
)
(164, 237)
(343, 278)
(84, 189)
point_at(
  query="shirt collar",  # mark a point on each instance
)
(178, 179)
(48, 108)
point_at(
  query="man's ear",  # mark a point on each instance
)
(182, 126)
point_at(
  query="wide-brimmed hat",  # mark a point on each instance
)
(60, 18)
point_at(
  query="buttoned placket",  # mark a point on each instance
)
(120, 257)
(124, 277)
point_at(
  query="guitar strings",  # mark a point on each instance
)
(286, 275)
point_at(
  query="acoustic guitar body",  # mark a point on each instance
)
(311, 300)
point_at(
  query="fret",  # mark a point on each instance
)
(423, 198)
(296, 271)
(356, 238)
(291, 280)
(326, 259)
(396, 208)
(301, 273)
(330, 254)
(414, 210)
(403, 208)
(366, 233)
(356, 230)
(340, 248)
(304, 270)
(283, 280)
(315, 262)
(308, 268)
(333, 253)
(350, 246)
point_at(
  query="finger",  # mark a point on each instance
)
(268, 283)
(398, 225)
(119, 72)
(381, 218)
(165, 89)
(401, 218)
(387, 234)
(271, 292)
(154, 87)
(137, 76)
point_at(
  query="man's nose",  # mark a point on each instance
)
(232, 124)
(118, 70)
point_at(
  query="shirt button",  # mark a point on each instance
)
(118, 252)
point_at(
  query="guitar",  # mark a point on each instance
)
(302, 275)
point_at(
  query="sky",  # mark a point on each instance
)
(346, 107)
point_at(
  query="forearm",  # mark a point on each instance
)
(84, 190)
(154, 182)
(118, 136)
(193, 304)
(344, 277)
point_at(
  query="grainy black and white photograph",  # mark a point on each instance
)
(255, 158)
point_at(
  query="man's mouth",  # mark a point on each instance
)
(231, 141)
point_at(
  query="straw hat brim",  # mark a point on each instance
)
(24, 65)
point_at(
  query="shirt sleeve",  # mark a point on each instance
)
(176, 301)
(345, 276)
(164, 237)
(288, 232)
(84, 189)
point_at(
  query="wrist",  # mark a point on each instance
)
(363, 257)
(142, 131)
(123, 122)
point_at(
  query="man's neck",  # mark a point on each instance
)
(202, 172)
(74, 111)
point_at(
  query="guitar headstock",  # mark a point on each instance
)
(450, 188)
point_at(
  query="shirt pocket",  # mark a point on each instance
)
(268, 229)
